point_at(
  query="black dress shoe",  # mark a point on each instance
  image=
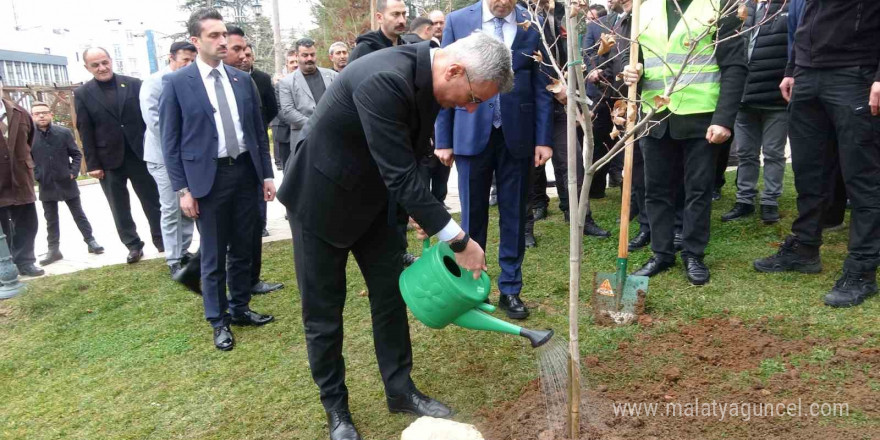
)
(51, 257)
(340, 425)
(409, 259)
(418, 404)
(174, 268)
(540, 213)
(678, 241)
(593, 230)
(265, 232)
(94, 247)
(184, 259)
(641, 240)
(530, 240)
(223, 338)
(716, 195)
(653, 267)
(190, 274)
(697, 272)
(513, 306)
(252, 318)
(134, 256)
(739, 211)
(29, 270)
(263, 287)
(769, 214)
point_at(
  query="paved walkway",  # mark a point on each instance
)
(76, 256)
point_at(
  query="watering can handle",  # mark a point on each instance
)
(426, 243)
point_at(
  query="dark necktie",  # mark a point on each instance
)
(225, 116)
(496, 114)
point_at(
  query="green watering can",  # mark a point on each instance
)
(439, 292)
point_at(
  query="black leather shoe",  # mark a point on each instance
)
(29, 270)
(190, 274)
(641, 240)
(739, 211)
(716, 195)
(653, 267)
(223, 338)
(769, 214)
(265, 232)
(134, 256)
(591, 229)
(530, 240)
(566, 216)
(513, 306)
(51, 257)
(94, 247)
(852, 289)
(184, 259)
(418, 404)
(252, 318)
(174, 268)
(540, 213)
(792, 256)
(340, 425)
(263, 287)
(678, 241)
(409, 259)
(615, 180)
(697, 272)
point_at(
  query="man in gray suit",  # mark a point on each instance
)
(177, 229)
(300, 91)
(281, 129)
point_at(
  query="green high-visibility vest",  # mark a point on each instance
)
(698, 87)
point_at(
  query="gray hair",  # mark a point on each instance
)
(337, 44)
(486, 59)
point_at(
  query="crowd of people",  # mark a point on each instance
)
(366, 148)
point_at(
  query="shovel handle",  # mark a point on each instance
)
(631, 114)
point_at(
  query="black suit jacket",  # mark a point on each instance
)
(362, 145)
(104, 130)
(268, 101)
(56, 158)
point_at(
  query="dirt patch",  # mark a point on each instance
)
(720, 361)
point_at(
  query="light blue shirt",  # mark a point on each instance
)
(508, 29)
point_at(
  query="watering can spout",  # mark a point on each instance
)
(537, 337)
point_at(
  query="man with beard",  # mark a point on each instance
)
(362, 145)
(301, 91)
(339, 55)
(391, 16)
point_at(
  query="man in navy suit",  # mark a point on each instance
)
(507, 136)
(216, 152)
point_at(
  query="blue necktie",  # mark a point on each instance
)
(496, 114)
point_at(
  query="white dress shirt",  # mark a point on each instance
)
(208, 80)
(508, 28)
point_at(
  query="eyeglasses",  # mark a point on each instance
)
(474, 99)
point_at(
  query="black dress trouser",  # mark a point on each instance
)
(667, 160)
(824, 103)
(19, 223)
(115, 186)
(50, 211)
(320, 273)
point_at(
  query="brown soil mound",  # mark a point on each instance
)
(710, 361)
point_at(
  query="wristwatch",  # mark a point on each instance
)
(459, 246)
(182, 192)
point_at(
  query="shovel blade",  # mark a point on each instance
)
(611, 306)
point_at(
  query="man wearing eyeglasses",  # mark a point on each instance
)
(507, 136)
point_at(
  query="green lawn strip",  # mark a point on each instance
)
(121, 352)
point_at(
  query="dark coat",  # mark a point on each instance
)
(370, 42)
(362, 144)
(105, 131)
(769, 56)
(268, 100)
(16, 164)
(56, 158)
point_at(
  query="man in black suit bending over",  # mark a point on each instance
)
(358, 151)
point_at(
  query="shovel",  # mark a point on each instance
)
(618, 298)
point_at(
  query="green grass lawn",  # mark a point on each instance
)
(123, 353)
